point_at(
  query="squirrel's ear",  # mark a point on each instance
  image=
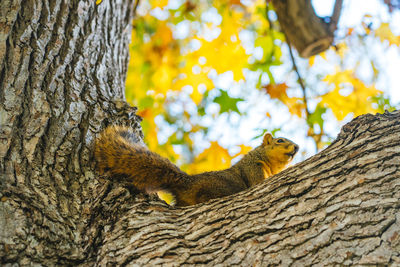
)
(267, 139)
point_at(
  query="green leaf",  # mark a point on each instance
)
(270, 76)
(175, 140)
(383, 103)
(201, 111)
(227, 103)
(316, 116)
(146, 102)
(266, 43)
(263, 131)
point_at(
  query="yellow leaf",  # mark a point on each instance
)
(243, 150)
(167, 196)
(194, 80)
(323, 55)
(295, 105)
(339, 77)
(385, 34)
(257, 17)
(226, 52)
(159, 3)
(213, 158)
(196, 96)
(311, 61)
(342, 49)
(231, 56)
(153, 64)
(98, 2)
(162, 78)
(358, 102)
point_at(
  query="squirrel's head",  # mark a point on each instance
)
(279, 150)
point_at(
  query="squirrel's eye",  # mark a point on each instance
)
(280, 141)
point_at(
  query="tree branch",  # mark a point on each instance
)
(136, 6)
(335, 15)
(307, 32)
(299, 80)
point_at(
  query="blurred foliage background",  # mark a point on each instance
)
(211, 77)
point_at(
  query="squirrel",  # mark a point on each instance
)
(119, 157)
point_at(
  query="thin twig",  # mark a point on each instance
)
(335, 15)
(316, 137)
(136, 6)
(311, 133)
(267, 15)
(271, 27)
(300, 80)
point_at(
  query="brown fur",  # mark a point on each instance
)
(120, 158)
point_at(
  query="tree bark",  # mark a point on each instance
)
(307, 32)
(62, 72)
(340, 207)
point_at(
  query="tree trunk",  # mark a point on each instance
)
(62, 74)
(62, 71)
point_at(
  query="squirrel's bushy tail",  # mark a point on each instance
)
(117, 156)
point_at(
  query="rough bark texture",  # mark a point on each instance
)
(339, 207)
(62, 69)
(62, 74)
(307, 32)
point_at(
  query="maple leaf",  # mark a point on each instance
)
(277, 91)
(159, 3)
(227, 103)
(243, 150)
(358, 102)
(316, 116)
(385, 34)
(213, 158)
